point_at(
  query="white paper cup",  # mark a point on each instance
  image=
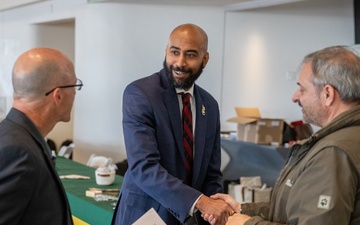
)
(104, 178)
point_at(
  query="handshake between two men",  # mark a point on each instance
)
(221, 209)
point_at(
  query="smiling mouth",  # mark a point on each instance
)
(179, 74)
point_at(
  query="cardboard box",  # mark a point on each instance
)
(253, 128)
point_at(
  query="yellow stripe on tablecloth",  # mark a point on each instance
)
(78, 221)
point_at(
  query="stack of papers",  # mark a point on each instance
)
(74, 176)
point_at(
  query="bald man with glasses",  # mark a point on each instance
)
(31, 192)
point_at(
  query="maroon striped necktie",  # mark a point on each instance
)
(188, 138)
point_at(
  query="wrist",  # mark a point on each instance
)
(239, 208)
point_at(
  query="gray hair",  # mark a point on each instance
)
(339, 67)
(37, 81)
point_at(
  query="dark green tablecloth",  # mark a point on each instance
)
(86, 208)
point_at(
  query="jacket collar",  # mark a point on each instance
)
(345, 119)
(22, 120)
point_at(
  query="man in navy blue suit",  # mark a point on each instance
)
(152, 126)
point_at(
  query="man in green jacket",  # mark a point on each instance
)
(320, 184)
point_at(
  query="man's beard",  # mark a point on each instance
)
(310, 115)
(188, 82)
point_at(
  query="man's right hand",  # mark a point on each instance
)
(230, 200)
(217, 208)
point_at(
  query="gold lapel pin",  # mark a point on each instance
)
(203, 110)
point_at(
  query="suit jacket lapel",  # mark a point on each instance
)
(200, 133)
(172, 105)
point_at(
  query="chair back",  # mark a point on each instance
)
(66, 151)
(97, 161)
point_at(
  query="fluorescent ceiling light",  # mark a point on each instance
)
(257, 4)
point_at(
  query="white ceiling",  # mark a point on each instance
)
(229, 5)
(7, 4)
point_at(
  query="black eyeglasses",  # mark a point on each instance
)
(78, 86)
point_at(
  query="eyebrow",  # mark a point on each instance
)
(177, 48)
(301, 86)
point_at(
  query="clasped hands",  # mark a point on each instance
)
(221, 209)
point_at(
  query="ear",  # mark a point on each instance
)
(205, 59)
(57, 96)
(329, 93)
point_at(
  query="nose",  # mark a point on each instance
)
(295, 97)
(181, 61)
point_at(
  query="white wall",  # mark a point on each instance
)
(115, 43)
(59, 35)
(118, 43)
(262, 45)
(49, 24)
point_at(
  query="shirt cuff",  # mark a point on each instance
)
(193, 210)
